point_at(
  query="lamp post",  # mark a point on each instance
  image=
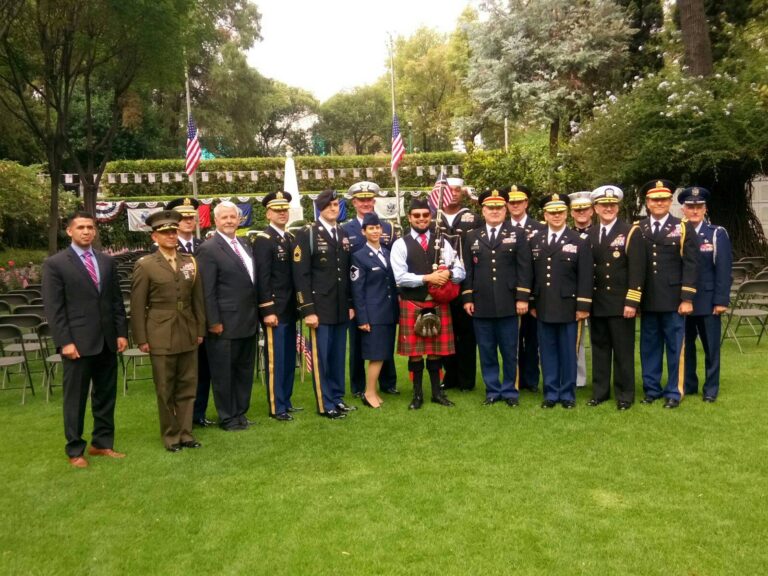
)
(410, 137)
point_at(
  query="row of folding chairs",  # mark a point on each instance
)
(748, 309)
(23, 338)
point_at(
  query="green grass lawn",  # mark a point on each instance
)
(467, 490)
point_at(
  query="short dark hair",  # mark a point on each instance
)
(79, 214)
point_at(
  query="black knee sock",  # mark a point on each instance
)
(416, 369)
(433, 368)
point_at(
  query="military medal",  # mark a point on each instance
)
(616, 254)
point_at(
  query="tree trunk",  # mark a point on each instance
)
(696, 42)
(554, 135)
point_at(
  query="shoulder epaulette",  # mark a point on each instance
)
(262, 235)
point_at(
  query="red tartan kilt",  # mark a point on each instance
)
(410, 344)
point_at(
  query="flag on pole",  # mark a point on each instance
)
(398, 150)
(193, 148)
(303, 350)
(440, 187)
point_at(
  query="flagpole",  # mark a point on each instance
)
(194, 174)
(392, 85)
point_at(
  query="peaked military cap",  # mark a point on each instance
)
(581, 199)
(555, 202)
(656, 189)
(164, 220)
(364, 190)
(186, 206)
(276, 200)
(693, 195)
(518, 192)
(324, 198)
(493, 197)
(608, 194)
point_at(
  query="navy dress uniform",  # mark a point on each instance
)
(562, 264)
(619, 264)
(528, 339)
(187, 207)
(272, 254)
(168, 321)
(364, 192)
(374, 295)
(499, 274)
(581, 201)
(713, 288)
(321, 260)
(671, 251)
(460, 367)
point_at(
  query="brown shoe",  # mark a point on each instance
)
(93, 451)
(79, 462)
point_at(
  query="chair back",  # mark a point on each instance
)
(22, 320)
(10, 334)
(14, 299)
(5, 308)
(752, 288)
(36, 309)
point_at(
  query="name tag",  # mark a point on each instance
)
(376, 268)
(707, 247)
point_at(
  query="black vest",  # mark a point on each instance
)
(419, 262)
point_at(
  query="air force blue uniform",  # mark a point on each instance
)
(713, 288)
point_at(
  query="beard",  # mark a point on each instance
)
(420, 230)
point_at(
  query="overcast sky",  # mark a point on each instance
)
(331, 45)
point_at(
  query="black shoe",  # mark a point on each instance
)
(358, 394)
(621, 405)
(530, 388)
(490, 401)
(548, 404)
(282, 417)
(594, 402)
(191, 444)
(416, 403)
(393, 391)
(295, 409)
(466, 389)
(512, 402)
(442, 400)
(569, 404)
(709, 399)
(671, 403)
(341, 407)
(648, 400)
(334, 415)
(174, 447)
(203, 422)
(365, 401)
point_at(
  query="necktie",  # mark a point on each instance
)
(553, 239)
(423, 241)
(88, 259)
(381, 257)
(603, 236)
(493, 235)
(333, 234)
(656, 227)
(519, 224)
(189, 247)
(236, 248)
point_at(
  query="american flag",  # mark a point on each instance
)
(193, 148)
(441, 186)
(398, 150)
(303, 349)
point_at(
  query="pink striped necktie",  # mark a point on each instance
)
(423, 241)
(236, 248)
(88, 259)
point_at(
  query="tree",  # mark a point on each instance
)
(695, 34)
(546, 60)
(287, 118)
(360, 118)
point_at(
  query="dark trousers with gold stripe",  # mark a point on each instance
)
(660, 330)
(613, 345)
(279, 365)
(329, 346)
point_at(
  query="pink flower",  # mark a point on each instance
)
(11, 263)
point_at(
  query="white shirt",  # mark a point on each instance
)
(557, 234)
(607, 227)
(450, 218)
(661, 222)
(490, 228)
(399, 260)
(241, 250)
(276, 229)
(521, 222)
(328, 227)
(79, 251)
(379, 252)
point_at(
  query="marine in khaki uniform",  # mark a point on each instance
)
(168, 322)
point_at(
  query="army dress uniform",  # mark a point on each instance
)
(581, 200)
(321, 262)
(562, 286)
(619, 263)
(272, 256)
(168, 313)
(354, 230)
(461, 367)
(713, 288)
(499, 273)
(528, 339)
(671, 271)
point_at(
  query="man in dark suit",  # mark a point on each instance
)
(713, 294)
(671, 254)
(321, 276)
(272, 250)
(188, 243)
(528, 339)
(456, 221)
(495, 292)
(562, 295)
(363, 200)
(230, 293)
(84, 307)
(619, 260)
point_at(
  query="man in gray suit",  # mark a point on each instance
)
(84, 307)
(231, 304)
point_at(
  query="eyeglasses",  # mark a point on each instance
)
(420, 214)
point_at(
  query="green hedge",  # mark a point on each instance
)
(268, 183)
